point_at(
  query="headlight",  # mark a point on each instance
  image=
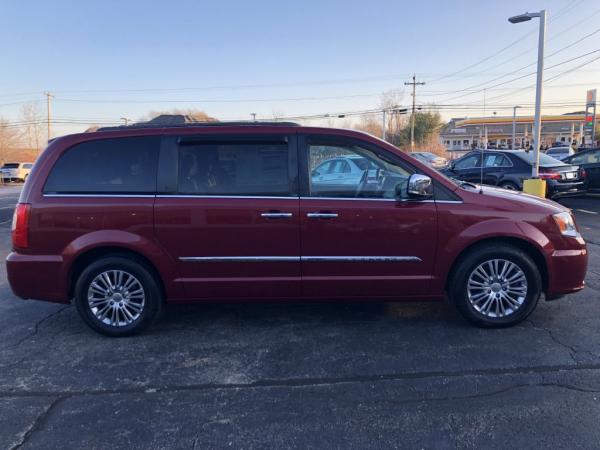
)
(566, 224)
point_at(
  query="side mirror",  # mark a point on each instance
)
(315, 173)
(420, 186)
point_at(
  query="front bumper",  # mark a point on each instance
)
(39, 277)
(567, 270)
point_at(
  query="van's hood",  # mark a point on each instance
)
(519, 198)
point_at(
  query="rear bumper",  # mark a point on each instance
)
(38, 277)
(556, 189)
(566, 271)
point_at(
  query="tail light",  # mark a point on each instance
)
(549, 175)
(20, 225)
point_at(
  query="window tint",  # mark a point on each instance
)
(120, 166)
(234, 169)
(375, 178)
(10, 166)
(467, 162)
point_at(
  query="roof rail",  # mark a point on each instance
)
(199, 124)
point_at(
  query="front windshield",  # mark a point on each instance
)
(545, 160)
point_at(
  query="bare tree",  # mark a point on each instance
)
(391, 101)
(370, 123)
(195, 114)
(9, 138)
(32, 130)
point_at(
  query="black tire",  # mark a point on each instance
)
(458, 285)
(152, 297)
(509, 185)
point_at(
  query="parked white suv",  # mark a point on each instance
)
(15, 171)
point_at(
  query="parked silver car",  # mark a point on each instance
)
(561, 152)
(435, 161)
(15, 171)
(343, 170)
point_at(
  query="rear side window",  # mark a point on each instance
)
(495, 160)
(107, 166)
(234, 169)
(27, 166)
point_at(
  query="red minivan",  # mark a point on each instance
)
(124, 220)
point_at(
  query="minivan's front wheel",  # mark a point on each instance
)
(117, 296)
(496, 286)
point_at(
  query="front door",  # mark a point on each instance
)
(468, 168)
(365, 238)
(230, 219)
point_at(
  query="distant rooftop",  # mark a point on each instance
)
(184, 120)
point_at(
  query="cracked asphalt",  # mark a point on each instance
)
(304, 375)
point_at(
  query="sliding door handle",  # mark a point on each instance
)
(276, 215)
(321, 215)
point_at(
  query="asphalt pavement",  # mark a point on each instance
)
(304, 375)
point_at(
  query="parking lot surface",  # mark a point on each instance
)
(303, 375)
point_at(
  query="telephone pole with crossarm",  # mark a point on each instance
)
(414, 84)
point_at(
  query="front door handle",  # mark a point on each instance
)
(321, 215)
(276, 215)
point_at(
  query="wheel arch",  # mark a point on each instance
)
(85, 258)
(530, 249)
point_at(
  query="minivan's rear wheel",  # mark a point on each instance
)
(496, 285)
(117, 296)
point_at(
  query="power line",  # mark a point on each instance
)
(503, 49)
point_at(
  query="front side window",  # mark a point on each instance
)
(234, 169)
(107, 166)
(361, 173)
(468, 162)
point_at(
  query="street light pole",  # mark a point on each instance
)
(537, 124)
(514, 133)
(538, 96)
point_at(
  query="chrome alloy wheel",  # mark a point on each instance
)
(497, 288)
(116, 298)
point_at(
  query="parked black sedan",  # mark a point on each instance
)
(507, 169)
(588, 160)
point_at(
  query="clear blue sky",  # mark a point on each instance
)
(228, 55)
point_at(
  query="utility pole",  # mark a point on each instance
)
(253, 117)
(48, 97)
(383, 125)
(514, 128)
(126, 120)
(412, 116)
